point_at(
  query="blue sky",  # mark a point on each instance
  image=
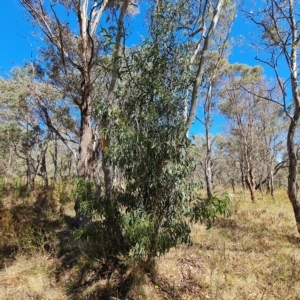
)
(18, 43)
(18, 39)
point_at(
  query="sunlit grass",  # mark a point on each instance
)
(30, 277)
(254, 254)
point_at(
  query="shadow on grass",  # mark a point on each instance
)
(86, 269)
(93, 268)
(97, 272)
(26, 229)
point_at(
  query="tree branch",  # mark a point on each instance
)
(202, 62)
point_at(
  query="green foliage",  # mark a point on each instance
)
(150, 147)
(63, 191)
(155, 210)
(83, 190)
(27, 228)
(2, 186)
(34, 239)
(147, 240)
(17, 186)
(206, 210)
(100, 217)
(146, 128)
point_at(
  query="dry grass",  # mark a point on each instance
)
(252, 255)
(30, 278)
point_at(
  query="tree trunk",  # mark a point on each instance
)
(208, 162)
(243, 176)
(85, 159)
(271, 181)
(30, 180)
(43, 167)
(85, 163)
(54, 159)
(233, 185)
(293, 170)
(208, 177)
(291, 147)
(108, 178)
(252, 183)
(251, 187)
(207, 120)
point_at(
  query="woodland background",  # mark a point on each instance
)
(101, 179)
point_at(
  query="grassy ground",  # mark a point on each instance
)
(255, 254)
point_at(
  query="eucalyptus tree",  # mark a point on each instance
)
(75, 54)
(9, 134)
(22, 116)
(278, 22)
(240, 108)
(150, 145)
(221, 168)
(272, 144)
(72, 57)
(256, 139)
(208, 94)
(215, 66)
(137, 122)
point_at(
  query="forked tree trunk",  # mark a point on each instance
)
(82, 55)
